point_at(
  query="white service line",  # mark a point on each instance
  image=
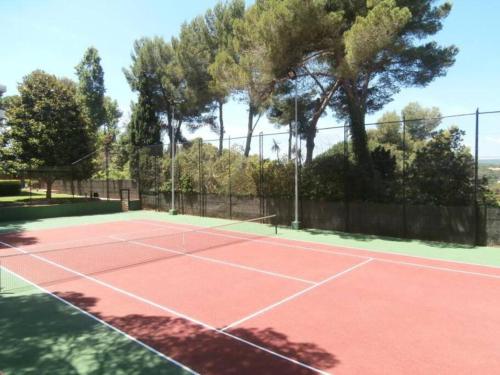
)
(437, 268)
(212, 260)
(259, 239)
(167, 309)
(86, 313)
(298, 294)
(336, 252)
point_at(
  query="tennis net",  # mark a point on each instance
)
(55, 263)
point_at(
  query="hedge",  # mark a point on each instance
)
(10, 187)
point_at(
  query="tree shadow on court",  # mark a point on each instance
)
(39, 335)
(14, 234)
(54, 337)
(210, 352)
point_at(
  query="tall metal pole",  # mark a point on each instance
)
(107, 169)
(405, 214)
(346, 180)
(172, 146)
(296, 222)
(200, 181)
(261, 173)
(229, 185)
(476, 182)
(157, 190)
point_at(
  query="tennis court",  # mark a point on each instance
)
(223, 300)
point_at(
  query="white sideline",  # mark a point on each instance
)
(336, 252)
(383, 260)
(213, 260)
(167, 309)
(86, 313)
(298, 294)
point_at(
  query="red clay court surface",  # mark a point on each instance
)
(247, 304)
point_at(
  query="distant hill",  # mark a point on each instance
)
(489, 162)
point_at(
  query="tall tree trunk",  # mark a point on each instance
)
(251, 115)
(221, 128)
(359, 137)
(48, 192)
(321, 105)
(290, 137)
(310, 145)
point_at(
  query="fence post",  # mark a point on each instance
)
(200, 182)
(106, 150)
(346, 180)
(476, 182)
(157, 190)
(230, 186)
(404, 180)
(138, 172)
(30, 176)
(173, 211)
(261, 174)
(72, 181)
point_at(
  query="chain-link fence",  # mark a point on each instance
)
(423, 178)
(99, 175)
(431, 178)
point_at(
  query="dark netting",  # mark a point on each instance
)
(149, 171)
(421, 181)
(99, 175)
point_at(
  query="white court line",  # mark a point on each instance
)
(437, 268)
(212, 260)
(86, 313)
(335, 252)
(167, 309)
(293, 296)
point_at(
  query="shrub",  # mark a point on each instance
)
(10, 187)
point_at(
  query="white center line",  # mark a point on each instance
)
(212, 260)
(168, 310)
(293, 296)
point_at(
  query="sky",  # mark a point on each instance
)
(53, 34)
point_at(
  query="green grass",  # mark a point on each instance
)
(42, 335)
(35, 195)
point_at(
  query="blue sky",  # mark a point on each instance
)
(53, 34)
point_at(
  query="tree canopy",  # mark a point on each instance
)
(47, 127)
